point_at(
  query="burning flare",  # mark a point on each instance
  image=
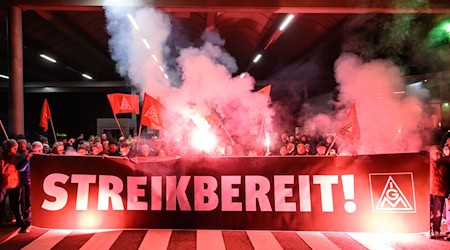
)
(202, 138)
(267, 143)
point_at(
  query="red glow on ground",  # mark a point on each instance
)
(89, 219)
(389, 224)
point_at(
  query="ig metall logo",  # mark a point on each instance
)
(392, 192)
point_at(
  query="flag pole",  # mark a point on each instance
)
(51, 121)
(264, 91)
(228, 134)
(213, 111)
(4, 131)
(260, 132)
(332, 144)
(139, 138)
(167, 141)
(53, 128)
(118, 125)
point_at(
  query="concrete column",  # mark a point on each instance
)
(16, 96)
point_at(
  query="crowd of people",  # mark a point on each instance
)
(103, 145)
(15, 155)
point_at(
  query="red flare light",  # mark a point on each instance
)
(203, 140)
(267, 142)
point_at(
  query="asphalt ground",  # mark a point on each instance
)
(40, 238)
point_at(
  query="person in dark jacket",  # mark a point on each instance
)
(112, 148)
(446, 158)
(10, 162)
(24, 171)
(438, 189)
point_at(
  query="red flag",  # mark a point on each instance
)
(265, 91)
(124, 103)
(213, 118)
(151, 113)
(45, 115)
(349, 129)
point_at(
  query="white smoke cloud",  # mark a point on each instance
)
(206, 76)
(135, 50)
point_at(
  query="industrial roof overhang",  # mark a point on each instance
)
(74, 32)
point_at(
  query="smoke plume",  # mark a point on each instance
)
(206, 80)
(390, 115)
(390, 122)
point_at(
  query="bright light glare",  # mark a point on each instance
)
(350, 207)
(372, 240)
(166, 76)
(286, 21)
(154, 58)
(130, 17)
(161, 68)
(416, 85)
(48, 58)
(267, 143)
(242, 75)
(257, 57)
(89, 220)
(447, 27)
(4, 76)
(146, 43)
(202, 139)
(87, 76)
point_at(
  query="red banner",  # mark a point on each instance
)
(376, 193)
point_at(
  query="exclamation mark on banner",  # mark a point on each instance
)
(348, 185)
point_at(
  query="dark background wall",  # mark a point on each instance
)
(73, 113)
